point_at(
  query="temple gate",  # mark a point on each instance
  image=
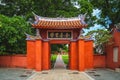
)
(59, 31)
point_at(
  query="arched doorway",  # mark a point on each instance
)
(59, 56)
(59, 31)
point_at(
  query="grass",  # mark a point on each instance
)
(53, 59)
(65, 59)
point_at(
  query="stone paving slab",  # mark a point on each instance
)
(103, 74)
(14, 74)
(59, 74)
(59, 64)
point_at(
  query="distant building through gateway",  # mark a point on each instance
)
(59, 31)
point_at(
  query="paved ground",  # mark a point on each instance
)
(58, 73)
(15, 74)
(59, 64)
(104, 74)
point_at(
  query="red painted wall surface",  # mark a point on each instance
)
(30, 54)
(88, 54)
(99, 61)
(13, 61)
(45, 56)
(73, 56)
(81, 55)
(114, 42)
(38, 55)
(20, 61)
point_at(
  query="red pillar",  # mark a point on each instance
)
(73, 56)
(38, 51)
(46, 56)
(89, 54)
(81, 53)
(30, 54)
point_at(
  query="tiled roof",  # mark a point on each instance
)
(58, 23)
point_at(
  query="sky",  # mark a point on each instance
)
(96, 12)
(95, 27)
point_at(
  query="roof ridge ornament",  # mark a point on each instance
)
(117, 26)
(29, 37)
(37, 18)
(87, 37)
(38, 36)
(59, 19)
(82, 18)
(81, 35)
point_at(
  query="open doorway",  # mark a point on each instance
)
(60, 56)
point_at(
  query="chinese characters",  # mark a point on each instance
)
(59, 35)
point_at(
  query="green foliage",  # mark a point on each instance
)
(57, 47)
(101, 36)
(12, 37)
(53, 59)
(109, 9)
(47, 8)
(65, 59)
(12, 28)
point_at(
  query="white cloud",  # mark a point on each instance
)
(95, 27)
(96, 12)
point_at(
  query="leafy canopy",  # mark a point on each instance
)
(101, 36)
(12, 37)
(110, 12)
(109, 15)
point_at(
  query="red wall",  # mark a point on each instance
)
(20, 61)
(31, 54)
(99, 61)
(89, 54)
(13, 61)
(73, 56)
(114, 42)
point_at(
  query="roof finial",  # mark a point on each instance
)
(37, 18)
(29, 37)
(81, 35)
(38, 34)
(117, 26)
(82, 18)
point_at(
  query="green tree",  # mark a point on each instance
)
(57, 47)
(101, 36)
(12, 37)
(47, 8)
(110, 12)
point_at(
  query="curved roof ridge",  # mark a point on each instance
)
(59, 23)
(59, 19)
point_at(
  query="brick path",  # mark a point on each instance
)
(59, 73)
(59, 64)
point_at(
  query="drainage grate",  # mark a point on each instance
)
(28, 72)
(75, 73)
(97, 75)
(23, 75)
(44, 72)
(91, 72)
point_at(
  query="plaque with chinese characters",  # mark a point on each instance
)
(59, 35)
